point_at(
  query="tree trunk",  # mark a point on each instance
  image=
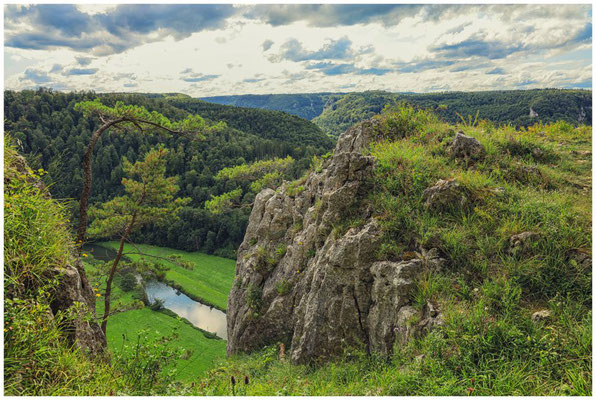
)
(107, 295)
(87, 179)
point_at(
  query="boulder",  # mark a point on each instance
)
(466, 147)
(541, 315)
(444, 194)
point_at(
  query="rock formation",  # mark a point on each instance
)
(307, 273)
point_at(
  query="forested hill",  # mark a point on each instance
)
(265, 123)
(340, 111)
(53, 136)
(305, 105)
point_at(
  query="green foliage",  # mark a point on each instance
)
(255, 170)
(149, 199)
(134, 116)
(254, 298)
(219, 204)
(128, 282)
(261, 174)
(283, 287)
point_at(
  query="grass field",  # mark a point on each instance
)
(203, 352)
(209, 282)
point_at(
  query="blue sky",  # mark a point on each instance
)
(219, 49)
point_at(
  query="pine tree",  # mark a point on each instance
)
(149, 200)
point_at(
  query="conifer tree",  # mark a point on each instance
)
(149, 199)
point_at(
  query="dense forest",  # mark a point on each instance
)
(336, 112)
(53, 136)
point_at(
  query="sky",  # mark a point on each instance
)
(224, 49)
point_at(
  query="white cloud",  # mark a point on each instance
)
(426, 48)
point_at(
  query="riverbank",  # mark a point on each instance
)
(209, 282)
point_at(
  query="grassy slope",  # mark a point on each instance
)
(154, 324)
(210, 281)
(37, 362)
(203, 351)
(489, 344)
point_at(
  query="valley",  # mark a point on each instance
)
(194, 323)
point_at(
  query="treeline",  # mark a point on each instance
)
(54, 137)
(340, 111)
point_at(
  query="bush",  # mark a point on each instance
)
(128, 282)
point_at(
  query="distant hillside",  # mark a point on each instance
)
(307, 105)
(267, 124)
(340, 111)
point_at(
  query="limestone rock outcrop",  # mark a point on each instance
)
(307, 273)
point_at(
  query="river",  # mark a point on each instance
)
(200, 315)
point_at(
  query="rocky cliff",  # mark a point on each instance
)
(307, 273)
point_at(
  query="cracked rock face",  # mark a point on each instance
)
(74, 288)
(307, 273)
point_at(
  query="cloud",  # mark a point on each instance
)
(84, 61)
(469, 67)
(473, 47)
(35, 76)
(47, 26)
(496, 71)
(329, 68)
(81, 71)
(130, 84)
(423, 65)
(329, 15)
(293, 50)
(267, 44)
(253, 80)
(188, 75)
(56, 68)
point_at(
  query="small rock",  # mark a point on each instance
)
(538, 152)
(444, 194)
(583, 259)
(541, 315)
(522, 243)
(466, 147)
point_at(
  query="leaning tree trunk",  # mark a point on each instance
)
(87, 179)
(108, 293)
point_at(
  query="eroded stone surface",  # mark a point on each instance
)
(307, 274)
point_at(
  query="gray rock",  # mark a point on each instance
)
(72, 294)
(443, 195)
(336, 294)
(541, 315)
(522, 243)
(581, 258)
(466, 147)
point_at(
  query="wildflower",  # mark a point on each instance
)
(246, 380)
(98, 294)
(470, 390)
(84, 255)
(233, 380)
